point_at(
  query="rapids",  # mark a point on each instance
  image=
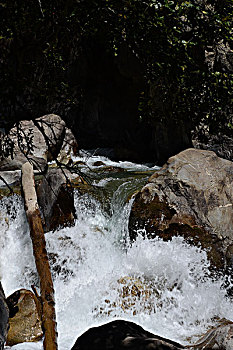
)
(98, 275)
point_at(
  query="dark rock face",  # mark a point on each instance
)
(119, 335)
(4, 318)
(56, 200)
(190, 196)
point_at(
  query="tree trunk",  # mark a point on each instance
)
(41, 258)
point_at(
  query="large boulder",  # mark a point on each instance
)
(25, 318)
(4, 318)
(120, 335)
(47, 135)
(38, 142)
(190, 196)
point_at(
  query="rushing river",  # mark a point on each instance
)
(98, 275)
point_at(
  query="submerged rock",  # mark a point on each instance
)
(25, 318)
(4, 318)
(129, 292)
(119, 335)
(190, 196)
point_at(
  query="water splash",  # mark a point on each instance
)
(98, 276)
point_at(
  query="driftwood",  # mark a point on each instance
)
(41, 258)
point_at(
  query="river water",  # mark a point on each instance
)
(98, 275)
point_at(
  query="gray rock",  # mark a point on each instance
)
(191, 196)
(9, 164)
(220, 338)
(9, 177)
(37, 141)
(46, 133)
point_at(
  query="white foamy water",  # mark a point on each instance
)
(164, 286)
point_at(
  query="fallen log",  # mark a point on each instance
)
(41, 258)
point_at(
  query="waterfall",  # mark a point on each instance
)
(99, 275)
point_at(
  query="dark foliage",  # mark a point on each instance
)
(185, 48)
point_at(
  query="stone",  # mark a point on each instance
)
(37, 141)
(130, 290)
(120, 335)
(55, 199)
(98, 163)
(25, 318)
(11, 164)
(4, 318)
(190, 196)
(47, 134)
(219, 338)
(10, 177)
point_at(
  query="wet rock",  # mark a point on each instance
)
(98, 163)
(219, 338)
(110, 169)
(4, 318)
(79, 163)
(119, 335)
(190, 196)
(25, 318)
(56, 200)
(130, 291)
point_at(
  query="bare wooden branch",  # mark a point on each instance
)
(41, 258)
